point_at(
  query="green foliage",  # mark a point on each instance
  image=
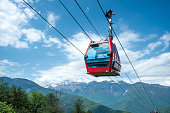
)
(14, 96)
(19, 99)
(4, 91)
(44, 104)
(22, 103)
(53, 104)
(78, 107)
(4, 108)
(38, 102)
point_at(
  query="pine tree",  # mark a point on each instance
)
(38, 102)
(78, 106)
(19, 99)
(4, 91)
(53, 104)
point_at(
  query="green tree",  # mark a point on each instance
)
(22, 103)
(4, 92)
(53, 104)
(4, 108)
(38, 102)
(19, 99)
(78, 106)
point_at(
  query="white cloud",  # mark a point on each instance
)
(149, 69)
(21, 44)
(52, 41)
(33, 35)
(152, 46)
(87, 9)
(6, 62)
(127, 38)
(14, 17)
(10, 69)
(152, 70)
(21, 1)
(151, 36)
(133, 55)
(75, 70)
(50, 54)
(155, 66)
(29, 12)
(81, 41)
(11, 19)
(162, 80)
(35, 47)
(60, 73)
(52, 18)
(166, 39)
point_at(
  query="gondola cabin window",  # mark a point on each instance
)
(97, 55)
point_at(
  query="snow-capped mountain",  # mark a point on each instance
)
(111, 95)
(71, 87)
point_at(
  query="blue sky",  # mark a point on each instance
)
(30, 48)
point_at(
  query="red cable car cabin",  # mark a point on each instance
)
(102, 59)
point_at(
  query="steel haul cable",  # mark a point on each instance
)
(75, 19)
(135, 87)
(124, 90)
(150, 108)
(53, 27)
(88, 19)
(61, 34)
(73, 16)
(93, 27)
(129, 59)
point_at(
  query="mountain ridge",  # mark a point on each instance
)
(66, 99)
(111, 95)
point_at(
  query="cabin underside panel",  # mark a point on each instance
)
(105, 74)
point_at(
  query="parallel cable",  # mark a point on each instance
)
(79, 24)
(124, 90)
(64, 37)
(75, 19)
(136, 93)
(120, 86)
(85, 16)
(53, 27)
(88, 19)
(101, 7)
(135, 87)
(134, 69)
(128, 59)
